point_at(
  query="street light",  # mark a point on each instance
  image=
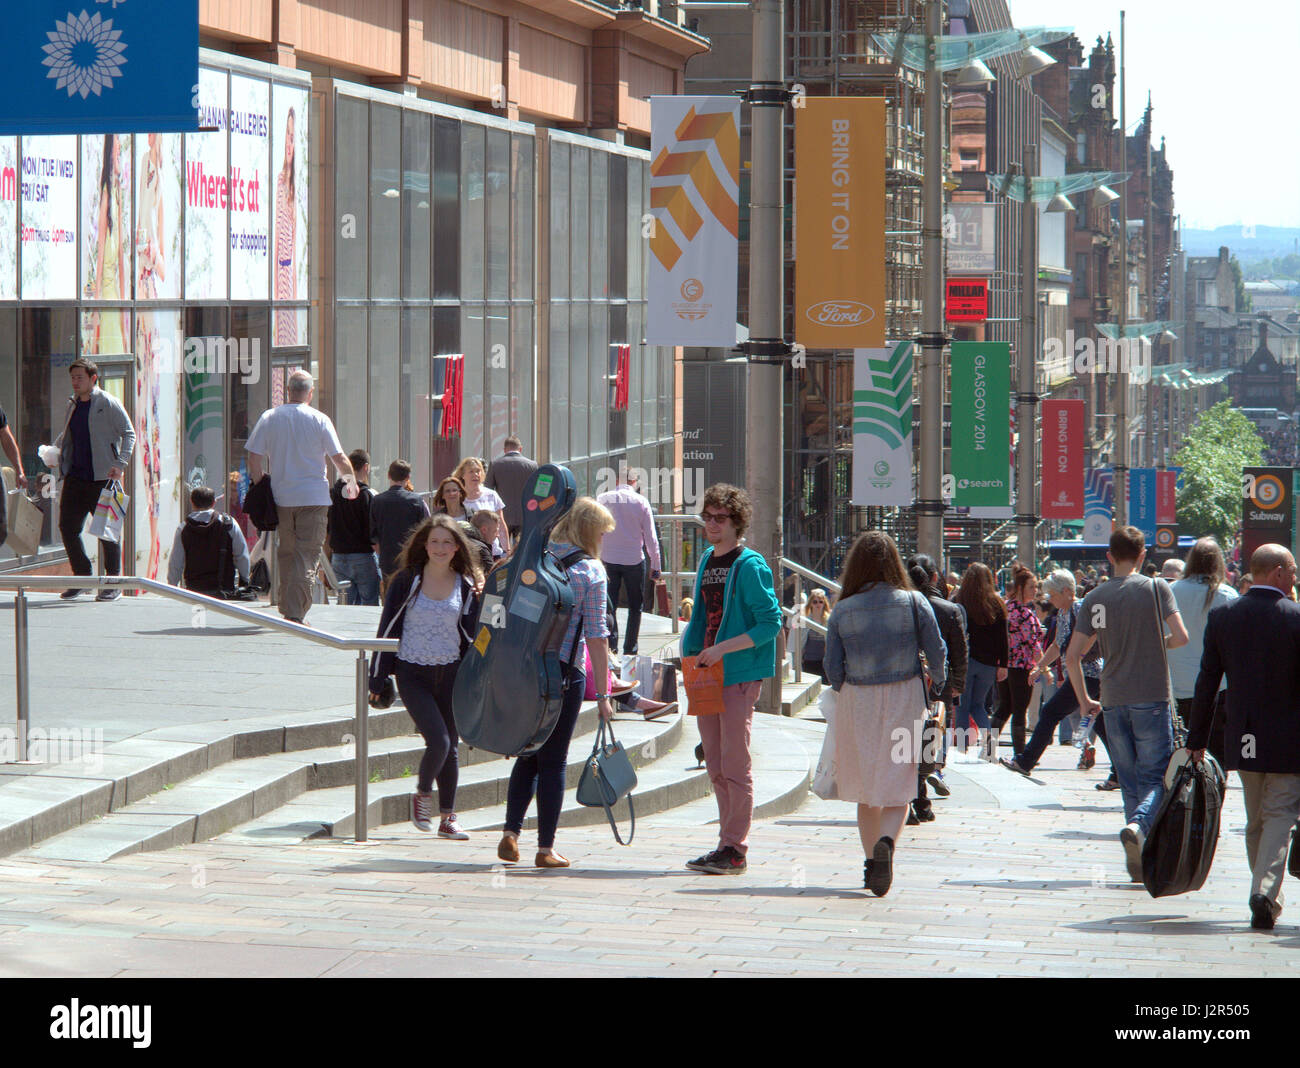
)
(1060, 203)
(934, 53)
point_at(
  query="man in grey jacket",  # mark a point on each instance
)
(95, 448)
(507, 476)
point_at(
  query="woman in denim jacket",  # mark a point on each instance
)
(876, 633)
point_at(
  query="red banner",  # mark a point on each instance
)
(1063, 459)
(622, 377)
(453, 395)
(1166, 503)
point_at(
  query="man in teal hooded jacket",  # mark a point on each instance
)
(736, 620)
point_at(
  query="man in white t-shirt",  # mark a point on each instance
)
(297, 440)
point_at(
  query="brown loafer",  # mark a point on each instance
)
(509, 848)
(659, 709)
(550, 860)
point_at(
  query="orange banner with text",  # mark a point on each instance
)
(840, 223)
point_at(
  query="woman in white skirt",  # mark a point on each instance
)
(875, 637)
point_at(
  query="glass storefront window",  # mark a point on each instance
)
(352, 383)
(579, 226)
(560, 414)
(446, 208)
(385, 200)
(446, 340)
(601, 355)
(472, 336)
(351, 199)
(498, 201)
(204, 460)
(498, 378)
(523, 193)
(385, 375)
(600, 225)
(559, 277)
(415, 431)
(579, 391)
(417, 205)
(473, 163)
(618, 227)
(522, 358)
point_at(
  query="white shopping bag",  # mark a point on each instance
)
(110, 513)
(823, 784)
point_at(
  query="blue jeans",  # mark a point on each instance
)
(980, 680)
(362, 570)
(1141, 741)
(1054, 712)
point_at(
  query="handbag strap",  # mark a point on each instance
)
(916, 629)
(1164, 649)
(607, 730)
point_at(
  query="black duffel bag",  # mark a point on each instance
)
(1179, 850)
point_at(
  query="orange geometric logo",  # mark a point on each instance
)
(697, 169)
(692, 289)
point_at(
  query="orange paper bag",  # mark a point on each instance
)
(703, 687)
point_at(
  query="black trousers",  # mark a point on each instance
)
(77, 500)
(633, 579)
(1014, 707)
(426, 693)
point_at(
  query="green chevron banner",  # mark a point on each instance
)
(882, 425)
(980, 458)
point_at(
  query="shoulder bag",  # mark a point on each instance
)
(607, 778)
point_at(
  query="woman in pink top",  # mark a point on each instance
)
(1025, 634)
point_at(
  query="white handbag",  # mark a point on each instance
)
(823, 783)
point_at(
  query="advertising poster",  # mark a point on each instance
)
(48, 187)
(695, 198)
(204, 441)
(207, 193)
(158, 473)
(981, 435)
(1098, 498)
(840, 213)
(8, 218)
(970, 231)
(289, 115)
(1142, 501)
(882, 425)
(1063, 459)
(106, 240)
(158, 216)
(250, 194)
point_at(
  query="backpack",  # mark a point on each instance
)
(510, 683)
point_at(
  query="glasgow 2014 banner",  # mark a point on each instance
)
(839, 208)
(99, 66)
(1098, 495)
(1063, 459)
(882, 425)
(1142, 501)
(695, 200)
(981, 432)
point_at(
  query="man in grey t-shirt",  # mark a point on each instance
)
(1128, 616)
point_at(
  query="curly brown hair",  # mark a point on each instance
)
(415, 552)
(733, 500)
(873, 558)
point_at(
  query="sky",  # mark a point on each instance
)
(1222, 82)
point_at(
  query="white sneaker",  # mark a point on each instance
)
(1132, 839)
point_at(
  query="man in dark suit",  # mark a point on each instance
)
(508, 475)
(1255, 640)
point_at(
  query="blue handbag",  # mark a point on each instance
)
(607, 778)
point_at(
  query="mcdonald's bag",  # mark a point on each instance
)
(110, 513)
(24, 520)
(703, 687)
(1179, 850)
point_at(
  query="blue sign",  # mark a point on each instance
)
(1142, 501)
(100, 66)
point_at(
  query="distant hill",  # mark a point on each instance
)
(1265, 242)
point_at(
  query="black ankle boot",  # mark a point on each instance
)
(866, 874)
(882, 867)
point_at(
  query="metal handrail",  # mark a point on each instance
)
(800, 573)
(676, 520)
(21, 583)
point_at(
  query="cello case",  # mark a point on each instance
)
(508, 687)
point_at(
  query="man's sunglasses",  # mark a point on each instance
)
(716, 517)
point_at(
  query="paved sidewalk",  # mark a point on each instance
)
(1037, 888)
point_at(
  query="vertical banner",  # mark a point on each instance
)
(1166, 498)
(9, 165)
(1142, 501)
(289, 162)
(1098, 498)
(981, 440)
(695, 198)
(157, 217)
(1267, 507)
(250, 197)
(207, 193)
(839, 282)
(1063, 459)
(882, 425)
(49, 234)
(106, 236)
(159, 422)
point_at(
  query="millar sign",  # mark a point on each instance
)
(840, 223)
